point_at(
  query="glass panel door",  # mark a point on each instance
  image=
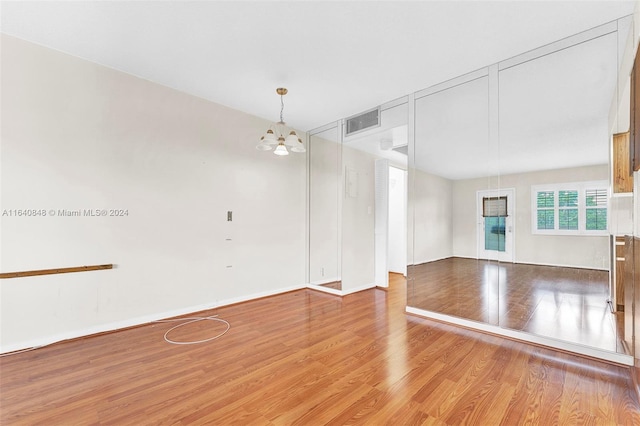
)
(496, 209)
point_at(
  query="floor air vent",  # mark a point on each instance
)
(362, 121)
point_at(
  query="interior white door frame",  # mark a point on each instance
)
(381, 228)
(510, 229)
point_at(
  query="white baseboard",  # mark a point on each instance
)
(527, 337)
(226, 302)
(560, 265)
(357, 289)
(463, 257)
(132, 322)
(325, 289)
(518, 262)
(326, 281)
(435, 259)
(341, 292)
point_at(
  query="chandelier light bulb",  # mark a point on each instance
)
(281, 149)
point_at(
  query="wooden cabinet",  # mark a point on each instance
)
(620, 252)
(632, 293)
(622, 175)
(634, 145)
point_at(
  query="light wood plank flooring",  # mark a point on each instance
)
(562, 303)
(310, 358)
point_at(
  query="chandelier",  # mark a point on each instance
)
(275, 136)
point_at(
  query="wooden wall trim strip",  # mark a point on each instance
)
(55, 271)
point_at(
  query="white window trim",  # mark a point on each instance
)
(581, 187)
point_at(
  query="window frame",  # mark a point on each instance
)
(582, 188)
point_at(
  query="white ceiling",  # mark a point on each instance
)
(336, 58)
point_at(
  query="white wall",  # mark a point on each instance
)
(577, 251)
(76, 135)
(397, 258)
(324, 208)
(464, 226)
(358, 237)
(433, 217)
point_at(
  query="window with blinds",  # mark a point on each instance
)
(596, 209)
(545, 214)
(570, 209)
(494, 207)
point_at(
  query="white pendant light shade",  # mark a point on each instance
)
(292, 139)
(281, 149)
(264, 145)
(298, 147)
(267, 142)
(270, 137)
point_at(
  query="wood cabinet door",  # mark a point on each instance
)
(622, 175)
(634, 146)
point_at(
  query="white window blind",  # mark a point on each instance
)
(494, 206)
(578, 208)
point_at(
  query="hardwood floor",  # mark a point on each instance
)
(563, 303)
(310, 358)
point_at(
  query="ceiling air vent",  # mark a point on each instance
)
(363, 121)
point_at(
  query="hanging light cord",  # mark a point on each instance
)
(281, 107)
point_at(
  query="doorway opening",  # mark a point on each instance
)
(397, 258)
(390, 222)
